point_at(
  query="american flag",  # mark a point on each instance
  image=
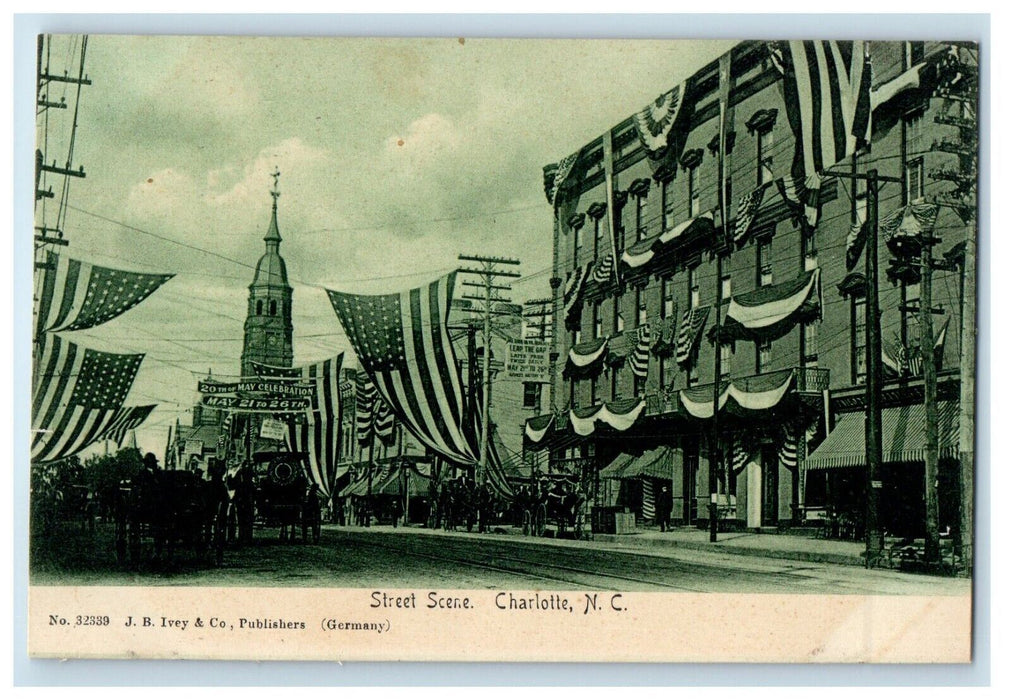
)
(788, 448)
(691, 329)
(403, 344)
(365, 402)
(76, 295)
(76, 395)
(639, 359)
(572, 294)
(125, 419)
(827, 86)
(739, 453)
(225, 435)
(383, 421)
(857, 236)
(803, 196)
(604, 269)
(274, 372)
(319, 434)
(747, 208)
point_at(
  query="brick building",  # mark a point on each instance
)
(634, 352)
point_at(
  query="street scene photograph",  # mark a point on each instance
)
(666, 316)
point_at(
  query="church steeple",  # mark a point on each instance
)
(268, 327)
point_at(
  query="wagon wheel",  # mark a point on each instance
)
(541, 522)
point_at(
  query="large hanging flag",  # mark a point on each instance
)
(76, 295)
(76, 395)
(827, 88)
(639, 359)
(318, 435)
(403, 344)
(654, 122)
(125, 419)
(690, 331)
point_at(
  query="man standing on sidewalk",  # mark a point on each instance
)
(663, 508)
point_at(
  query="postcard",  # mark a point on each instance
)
(503, 349)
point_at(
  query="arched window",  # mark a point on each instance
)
(259, 307)
(273, 308)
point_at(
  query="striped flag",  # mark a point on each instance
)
(365, 401)
(856, 239)
(76, 395)
(648, 500)
(639, 359)
(403, 344)
(603, 269)
(318, 436)
(788, 449)
(827, 88)
(384, 422)
(803, 196)
(125, 419)
(572, 294)
(739, 453)
(76, 295)
(747, 208)
(690, 331)
(224, 436)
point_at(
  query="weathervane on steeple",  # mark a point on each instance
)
(274, 192)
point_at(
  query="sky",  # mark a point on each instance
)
(395, 157)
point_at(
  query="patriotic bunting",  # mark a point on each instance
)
(603, 270)
(691, 330)
(907, 225)
(788, 446)
(654, 122)
(803, 196)
(585, 354)
(639, 361)
(739, 454)
(76, 295)
(536, 428)
(403, 344)
(620, 415)
(125, 419)
(76, 396)
(572, 296)
(698, 401)
(769, 312)
(827, 86)
(556, 174)
(662, 335)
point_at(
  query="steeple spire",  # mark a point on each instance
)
(273, 237)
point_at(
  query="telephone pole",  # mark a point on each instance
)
(489, 271)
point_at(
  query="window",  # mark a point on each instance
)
(667, 295)
(531, 395)
(618, 324)
(764, 262)
(725, 353)
(662, 371)
(693, 287)
(638, 385)
(640, 306)
(575, 338)
(577, 243)
(615, 381)
(858, 322)
(765, 156)
(764, 352)
(809, 345)
(914, 180)
(693, 191)
(726, 281)
(259, 307)
(594, 390)
(809, 250)
(598, 237)
(273, 308)
(693, 372)
(640, 217)
(598, 322)
(667, 202)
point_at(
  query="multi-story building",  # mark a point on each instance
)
(634, 348)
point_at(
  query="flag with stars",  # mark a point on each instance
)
(76, 396)
(403, 345)
(125, 419)
(76, 295)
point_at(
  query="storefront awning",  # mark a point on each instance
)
(903, 437)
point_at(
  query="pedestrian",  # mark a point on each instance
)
(664, 503)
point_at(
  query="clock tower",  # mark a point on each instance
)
(267, 337)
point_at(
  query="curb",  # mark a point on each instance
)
(790, 554)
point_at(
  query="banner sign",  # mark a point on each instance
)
(528, 360)
(193, 447)
(281, 388)
(237, 403)
(273, 429)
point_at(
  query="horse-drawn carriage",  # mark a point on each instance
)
(556, 503)
(283, 497)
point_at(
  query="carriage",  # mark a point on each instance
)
(556, 503)
(283, 497)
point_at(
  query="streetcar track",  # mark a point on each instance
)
(538, 564)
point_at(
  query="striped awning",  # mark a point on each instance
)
(903, 437)
(657, 463)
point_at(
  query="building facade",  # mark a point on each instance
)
(634, 344)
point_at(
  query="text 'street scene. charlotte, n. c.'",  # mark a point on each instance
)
(337, 342)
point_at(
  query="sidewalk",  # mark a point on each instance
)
(775, 546)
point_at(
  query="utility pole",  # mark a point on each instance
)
(489, 271)
(874, 538)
